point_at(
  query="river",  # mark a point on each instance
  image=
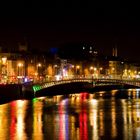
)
(81, 116)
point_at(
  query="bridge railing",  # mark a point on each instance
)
(38, 86)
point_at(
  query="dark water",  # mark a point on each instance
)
(83, 116)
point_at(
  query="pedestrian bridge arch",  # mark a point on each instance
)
(92, 82)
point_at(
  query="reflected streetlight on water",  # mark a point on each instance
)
(74, 116)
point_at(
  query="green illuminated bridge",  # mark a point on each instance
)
(78, 85)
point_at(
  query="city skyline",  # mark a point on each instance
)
(104, 26)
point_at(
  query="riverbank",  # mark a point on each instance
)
(10, 92)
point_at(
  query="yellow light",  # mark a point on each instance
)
(4, 59)
(77, 66)
(91, 68)
(95, 69)
(36, 73)
(39, 65)
(20, 64)
(101, 68)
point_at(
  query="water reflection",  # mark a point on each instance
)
(37, 120)
(4, 121)
(84, 116)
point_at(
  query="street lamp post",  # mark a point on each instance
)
(38, 70)
(77, 70)
(100, 71)
(91, 71)
(20, 71)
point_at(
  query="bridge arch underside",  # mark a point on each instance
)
(77, 87)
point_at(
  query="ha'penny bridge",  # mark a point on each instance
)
(77, 85)
(10, 92)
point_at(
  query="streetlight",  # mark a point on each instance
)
(72, 70)
(20, 71)
(77, 70)
(38, 70)
(91, 71)
(100, 71)
(55, 70)
(113, 72)
(95, 72)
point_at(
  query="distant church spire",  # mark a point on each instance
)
(115, 52)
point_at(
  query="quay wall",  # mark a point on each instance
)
(10, 92)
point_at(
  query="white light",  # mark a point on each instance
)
(4, 60)
(58, 77)
(137, 76)
(25, 80)
(39, 65)
(95, 69)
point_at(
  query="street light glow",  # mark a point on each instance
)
(91, 68)
(95, 69)
(77, 66)
(20, 64)
(4, 59)
(39, 65)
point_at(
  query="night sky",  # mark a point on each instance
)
(44, 25)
